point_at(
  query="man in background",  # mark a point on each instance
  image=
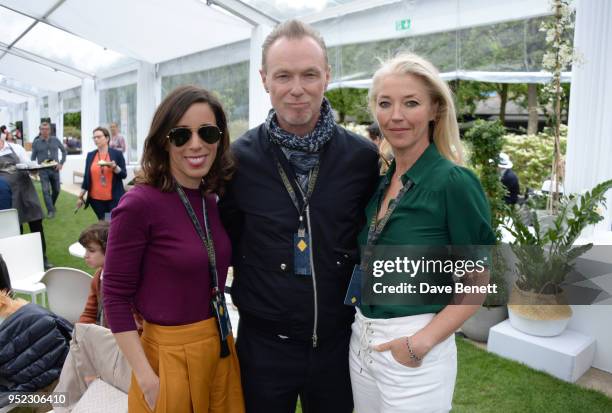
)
(47, 148)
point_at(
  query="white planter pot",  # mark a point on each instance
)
(542, 328)
(543, 315)
(477, 327)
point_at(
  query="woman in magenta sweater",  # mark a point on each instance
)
(167, 258)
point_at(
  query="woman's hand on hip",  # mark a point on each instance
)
(401, 351)
(150, 389)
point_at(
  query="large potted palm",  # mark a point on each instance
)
(546, 255)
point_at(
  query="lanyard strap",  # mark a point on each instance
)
(376, 228)
(312, 179)
(207, 239)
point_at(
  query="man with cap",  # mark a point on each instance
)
(509, 179)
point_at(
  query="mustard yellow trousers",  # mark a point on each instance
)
(193, 377)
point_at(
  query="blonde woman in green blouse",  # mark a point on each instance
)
(403, 357)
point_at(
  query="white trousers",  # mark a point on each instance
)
(383, 385)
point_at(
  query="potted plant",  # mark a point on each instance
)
(486, 140)
(545, 256)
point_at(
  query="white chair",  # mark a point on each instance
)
(9, 223)
(67, 291)
(76, 250)
(24, 260)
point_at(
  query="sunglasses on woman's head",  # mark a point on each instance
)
(181, 135)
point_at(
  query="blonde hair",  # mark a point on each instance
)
(445, 129)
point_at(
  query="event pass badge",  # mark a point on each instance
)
(353, 293)
(222, 315)
(301, 253)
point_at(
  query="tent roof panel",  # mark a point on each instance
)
(35, 8)
(149, 30)
(13, 24)
(68, 49)
(12, 97)
(35, 74)
(283, 10)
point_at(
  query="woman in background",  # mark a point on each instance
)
(103, 177)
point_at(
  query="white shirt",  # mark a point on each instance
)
(19, 150)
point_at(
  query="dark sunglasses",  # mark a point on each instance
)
(181, 135)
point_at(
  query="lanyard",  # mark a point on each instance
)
(207, 239)
(312, 179)
(376, 228)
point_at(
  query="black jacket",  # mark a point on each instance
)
(511, 182)
(33, 346)
(261, 220)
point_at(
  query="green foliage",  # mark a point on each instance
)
(545, 256)
(485, 140)
(72, 119)
(72, 131)
(64, 230)
(532, 156)
(509, 46)
(231, 82)
(544, 98)
(468, 94)
(350, 102)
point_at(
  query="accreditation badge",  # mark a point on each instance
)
(301, 254)
(353, 293)
(222, 316)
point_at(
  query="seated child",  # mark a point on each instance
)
(93, 350)
(93, 239)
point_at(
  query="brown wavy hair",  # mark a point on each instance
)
(95, 233)
(155, 163)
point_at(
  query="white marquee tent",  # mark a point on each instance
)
(114, 60)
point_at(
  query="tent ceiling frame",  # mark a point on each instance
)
(344, 9)
(17, 91)
(42, 19)
(55, 65)
(34, 23)
(245, 12)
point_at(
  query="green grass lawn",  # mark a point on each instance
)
(485, 382)
(488, 383)
(64, 230)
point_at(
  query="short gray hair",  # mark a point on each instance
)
(292, 29)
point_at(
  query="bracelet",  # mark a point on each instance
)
(411, 353)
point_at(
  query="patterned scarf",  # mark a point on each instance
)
(303, 152)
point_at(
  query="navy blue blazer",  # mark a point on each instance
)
(117, 189)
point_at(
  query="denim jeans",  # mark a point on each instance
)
(50, 182)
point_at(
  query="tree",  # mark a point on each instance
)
(350, 102)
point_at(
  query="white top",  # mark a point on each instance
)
(19, 150)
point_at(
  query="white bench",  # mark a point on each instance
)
(24, 260)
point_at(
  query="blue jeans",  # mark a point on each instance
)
(50, 182)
